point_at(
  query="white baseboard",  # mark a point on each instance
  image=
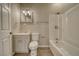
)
(21, 52)
(43, 45)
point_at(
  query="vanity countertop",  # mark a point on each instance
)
(21, 33)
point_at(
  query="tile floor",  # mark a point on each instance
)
(40, 52)
(44, 52)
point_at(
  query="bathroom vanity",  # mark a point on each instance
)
(21, 42)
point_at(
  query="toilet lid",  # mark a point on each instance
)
(33, 44)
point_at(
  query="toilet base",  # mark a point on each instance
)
(33, 53)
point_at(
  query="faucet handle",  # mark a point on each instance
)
(56, 27)
(57, 39)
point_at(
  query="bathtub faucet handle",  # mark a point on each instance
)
(56, 38)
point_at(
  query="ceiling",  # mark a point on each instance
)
(52, 7)
(61, 7)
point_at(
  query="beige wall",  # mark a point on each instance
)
(15, 19)
(40, 24)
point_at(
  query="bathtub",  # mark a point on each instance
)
(57, 49)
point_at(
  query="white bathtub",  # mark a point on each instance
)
(57, 49)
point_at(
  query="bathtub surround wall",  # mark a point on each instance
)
(40, 22)
(68, 44)
(71, 30)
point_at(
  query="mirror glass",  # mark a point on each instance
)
(26, 16)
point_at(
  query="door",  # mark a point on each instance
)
(6, 47)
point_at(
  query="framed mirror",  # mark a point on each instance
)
(26, 16)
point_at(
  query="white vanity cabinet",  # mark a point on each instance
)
(21, 42)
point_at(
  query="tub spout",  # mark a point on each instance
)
(57, 40)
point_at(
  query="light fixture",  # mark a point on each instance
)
(27, 12)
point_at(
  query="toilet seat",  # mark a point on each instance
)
(33, 45)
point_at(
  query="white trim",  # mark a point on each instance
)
(43, 45)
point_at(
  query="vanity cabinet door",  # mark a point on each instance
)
(21, 43)
(19, 46)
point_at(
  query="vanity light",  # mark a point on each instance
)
(26, 12)
(28, 15)
(23, 12)
(6, 7)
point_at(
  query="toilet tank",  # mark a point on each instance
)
(35, 36)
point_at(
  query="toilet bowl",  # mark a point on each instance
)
(34, 44)
(33, 47)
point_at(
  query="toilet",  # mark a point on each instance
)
(34, 44)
